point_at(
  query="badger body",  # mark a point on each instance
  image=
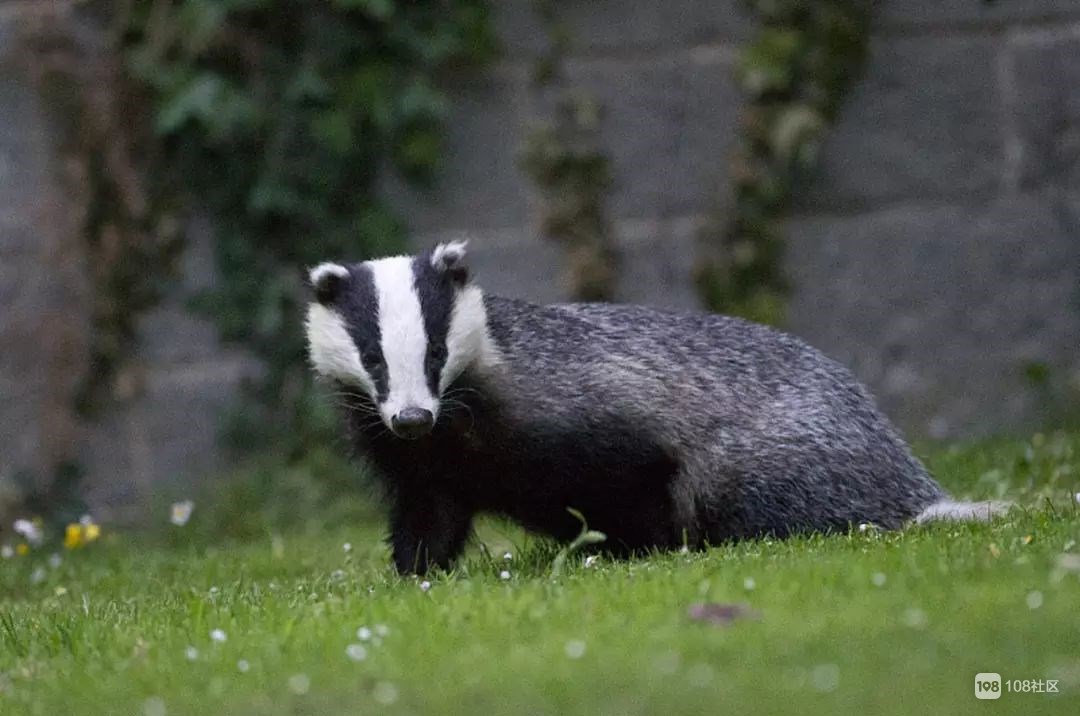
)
(661, 428)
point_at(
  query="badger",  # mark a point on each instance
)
(662, 429)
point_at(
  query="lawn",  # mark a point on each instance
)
(299, 624)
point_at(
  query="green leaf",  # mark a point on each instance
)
(333, 129)
(378, 9)
(194, 101)
(768, 64)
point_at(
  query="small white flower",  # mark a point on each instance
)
(38, 576)
(382, 629)
(191, 653)
(29, 531)
(347, 547)
(385, 693)
(180, 512)
(214, 592)
(700, 674)
(1034, 600)
(915, 618)
(504, 575)
(878, 579)
(863, 526)
(749, 584)
(363, 633)
(154, 706)
(825, 677)
(425, 585)
(507, 556)
(1077, 498)
(7, 551)
(575, 649)
(86, 520)
(356, 652)
(591, 560)
(277, 547)
(668, 662)
(55, 560)
(685, 549)
(218, 635)
(243, 666)
(337, 575)
(299, 684)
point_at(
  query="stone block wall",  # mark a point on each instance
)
(160, 429)
(937, 251)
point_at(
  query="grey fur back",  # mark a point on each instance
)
(771, 435)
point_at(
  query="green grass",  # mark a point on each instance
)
(864, 622)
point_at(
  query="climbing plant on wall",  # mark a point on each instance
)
(562, 157)
(279, 116)
(795, 73)
(118, 205)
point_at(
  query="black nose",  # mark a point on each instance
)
(412, 423)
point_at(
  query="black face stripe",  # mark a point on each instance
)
(435, 289)
(359, 305)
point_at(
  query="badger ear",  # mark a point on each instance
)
(449, 258)
(327, 280)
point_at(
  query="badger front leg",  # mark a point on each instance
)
(427, 531)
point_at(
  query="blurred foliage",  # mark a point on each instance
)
(280, 115)
(796, 73)
(562, 158)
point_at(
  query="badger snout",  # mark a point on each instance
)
(412, 423)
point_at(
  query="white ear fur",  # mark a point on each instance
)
(319, 274)
(449, 256)
(325, 279)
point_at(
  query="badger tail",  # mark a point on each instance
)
(950, 511)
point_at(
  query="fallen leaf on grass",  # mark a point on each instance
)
(722, 614)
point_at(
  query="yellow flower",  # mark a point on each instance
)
(81, 533)
(22, 548)
(73, 536)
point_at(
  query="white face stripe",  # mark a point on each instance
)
(467, 341)
(403, 338)
(333, 353)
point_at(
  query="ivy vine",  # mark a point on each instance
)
(562, 157)
(124, 215)
(795, 73)
(280, 115)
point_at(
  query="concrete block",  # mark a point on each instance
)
(480, 184)
(667, 126)
(968, 13)
(598, 26)
(939, 308)
(925, 122)
(1046, 110)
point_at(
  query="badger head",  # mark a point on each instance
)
(400, 330)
